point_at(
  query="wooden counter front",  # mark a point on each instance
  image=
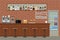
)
(38, 29)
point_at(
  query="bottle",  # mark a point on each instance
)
(20, 8)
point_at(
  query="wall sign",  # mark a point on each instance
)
(40, 15)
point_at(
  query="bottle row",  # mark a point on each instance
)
(27, 6)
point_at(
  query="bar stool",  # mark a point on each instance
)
(34, 32)
(15, 29)
(5, 32)
(44, 32)
(24, 31)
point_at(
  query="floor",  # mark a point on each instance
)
(54, 33)
(29, 38)
(53, 36)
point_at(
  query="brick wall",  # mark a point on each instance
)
(52, 5)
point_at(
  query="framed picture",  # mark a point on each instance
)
(13, 6)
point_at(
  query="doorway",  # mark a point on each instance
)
(53, 20)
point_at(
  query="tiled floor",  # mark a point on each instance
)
(53, 36)
(54, 33)
(29, 38)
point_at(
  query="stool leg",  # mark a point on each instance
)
(34, 32)
(5, 32)
(44, 32)
(24, 32)
(14, 32)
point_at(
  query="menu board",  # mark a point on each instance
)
(40, 15)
